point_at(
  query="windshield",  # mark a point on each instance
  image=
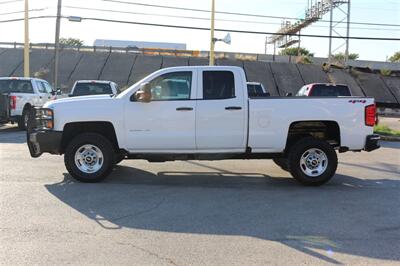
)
(324, 90)
(92, 89)
(18, 86)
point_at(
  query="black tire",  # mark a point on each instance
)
(103, 144)
(119, 158)
(300, 148)
(22, 121)
(282, 163)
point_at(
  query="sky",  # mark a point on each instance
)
(43, 30)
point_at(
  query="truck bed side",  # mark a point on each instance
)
(270, 119)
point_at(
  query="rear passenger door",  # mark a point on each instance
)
(220, 112)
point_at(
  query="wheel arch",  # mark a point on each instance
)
(327, 130)
(104, 128)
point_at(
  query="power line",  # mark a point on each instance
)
(241, 14)
(208, 29)
(203, 18)
(11, 1)
(18, 12)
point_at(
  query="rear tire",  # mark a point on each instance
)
(283, 163)
(89, 157)
(23, 120)
(312, 162)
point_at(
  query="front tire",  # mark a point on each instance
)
(312, 162)
(283, 163)
(89, 157)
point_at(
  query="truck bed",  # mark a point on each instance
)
(271, 117)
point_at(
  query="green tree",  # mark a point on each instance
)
(294, 51)
(71, 42)
(341, 56)
(395, 58)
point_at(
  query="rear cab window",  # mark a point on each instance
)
(333, 91)
(218, 85)
(16, 86)
(91, 88)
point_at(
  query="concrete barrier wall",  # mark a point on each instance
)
(10, 60)
(373, 86)
(118, 68)
(40, 60)
(127, 68)
(340, 76)
(312, 74)
(287, 78)
(394, 86)
(89, 67)
(261, 72)
(174, 61)
(143, 66)
(68, 62)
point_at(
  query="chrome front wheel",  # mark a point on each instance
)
(89, 158)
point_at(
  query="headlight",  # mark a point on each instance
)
(44, 118)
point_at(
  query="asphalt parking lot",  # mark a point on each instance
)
(197, 212)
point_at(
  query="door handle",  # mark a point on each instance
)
(233, 108)
(40, 97)
(184, 109)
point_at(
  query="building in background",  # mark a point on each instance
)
(136, 44)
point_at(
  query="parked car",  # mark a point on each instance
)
(256, 89)
(93, 87)
(324, 89)
(210, 117)
(19, 95)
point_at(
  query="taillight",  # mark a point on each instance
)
(370, 115)
(13, 102)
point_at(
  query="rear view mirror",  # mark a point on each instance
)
(144, 93)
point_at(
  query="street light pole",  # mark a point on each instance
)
(26, 41)
(212, 43)
(57, 44)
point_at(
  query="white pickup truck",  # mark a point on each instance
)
(19, 95)
(202, 113)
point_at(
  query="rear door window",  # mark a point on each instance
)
(218, 85)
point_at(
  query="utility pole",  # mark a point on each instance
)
(26, 42)
(212, 42)
(330, 32)
(348, 32)
(266, 44)
(57, 44)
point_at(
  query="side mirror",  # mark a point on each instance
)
(56, 92)
(70, 95)
(143, 94)
(267, 94)
(289, 94)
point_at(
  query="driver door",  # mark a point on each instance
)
(167, 122)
